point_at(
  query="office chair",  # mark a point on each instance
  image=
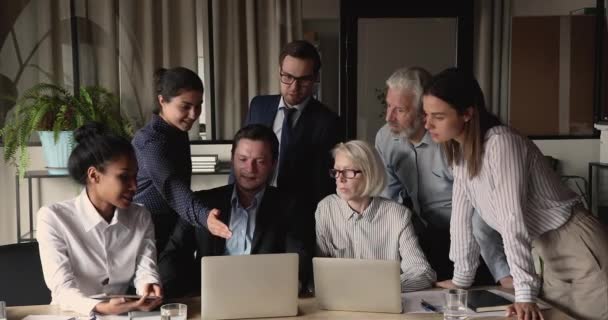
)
(21, 279)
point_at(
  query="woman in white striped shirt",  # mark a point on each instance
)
(357, 223)
(505, 176)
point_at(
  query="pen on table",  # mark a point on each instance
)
(427, 306)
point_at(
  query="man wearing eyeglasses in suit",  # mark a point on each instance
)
(307, 130)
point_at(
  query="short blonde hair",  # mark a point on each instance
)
(365, 158)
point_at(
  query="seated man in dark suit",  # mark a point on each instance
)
(307, 131)
(257, 216)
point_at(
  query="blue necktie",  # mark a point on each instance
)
(286, 134)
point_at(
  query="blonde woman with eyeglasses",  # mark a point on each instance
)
(357, 223)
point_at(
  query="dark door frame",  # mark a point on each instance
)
(352, 10)
(600, 106)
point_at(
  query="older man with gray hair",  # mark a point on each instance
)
(419, 176)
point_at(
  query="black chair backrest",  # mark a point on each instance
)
(21, 279)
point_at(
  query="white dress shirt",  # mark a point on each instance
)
(517, 194)
(83, 255)
(383, 231)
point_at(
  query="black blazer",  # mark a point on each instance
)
(305, 169)
(179, 263)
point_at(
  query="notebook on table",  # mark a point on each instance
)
(485, 301)
(357, 285)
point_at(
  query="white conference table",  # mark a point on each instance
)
(307, 309)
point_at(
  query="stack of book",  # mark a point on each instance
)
(204, 163)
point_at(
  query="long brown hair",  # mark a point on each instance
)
(461, 91)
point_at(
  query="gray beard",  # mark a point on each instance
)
(408, 132)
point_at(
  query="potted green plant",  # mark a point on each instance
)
(54, 112)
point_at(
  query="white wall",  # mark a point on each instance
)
(57, 189)
(574, 155)
(54, 189)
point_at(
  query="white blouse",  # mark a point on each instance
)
(83, 255)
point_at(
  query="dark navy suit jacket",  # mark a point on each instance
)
(304, 172)
(308, 159)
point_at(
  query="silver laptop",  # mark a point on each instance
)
(357, 285)
(251, 286)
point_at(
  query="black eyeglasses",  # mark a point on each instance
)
(286, 78)
(346, 173)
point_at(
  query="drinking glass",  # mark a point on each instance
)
(174, 311)
(455, 304)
